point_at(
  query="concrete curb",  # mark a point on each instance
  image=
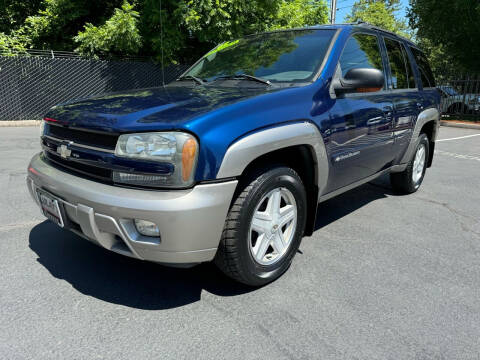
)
(460, 125)
(20, 123)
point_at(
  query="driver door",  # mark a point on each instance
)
(362, 140)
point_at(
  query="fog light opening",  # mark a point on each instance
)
(147, 228)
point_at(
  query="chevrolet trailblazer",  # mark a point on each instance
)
(229, 162)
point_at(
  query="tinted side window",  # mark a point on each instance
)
(410, 73)
(398, 68)
(361, 51)
(424, 68)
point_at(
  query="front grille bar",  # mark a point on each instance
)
(79, 145)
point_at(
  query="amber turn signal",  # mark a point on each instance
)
(189, 153)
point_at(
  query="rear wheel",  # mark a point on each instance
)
(409, 180)
(264, 227)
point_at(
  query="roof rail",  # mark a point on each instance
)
(375, 27)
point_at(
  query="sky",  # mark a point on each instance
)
(341, 4)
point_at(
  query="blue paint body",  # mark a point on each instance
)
(218, 116)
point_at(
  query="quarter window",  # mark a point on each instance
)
(398, 67)
(361, 51)
(425, 72)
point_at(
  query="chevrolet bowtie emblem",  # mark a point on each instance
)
(64, 151)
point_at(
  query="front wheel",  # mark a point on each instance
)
(264, 227)
(409, 180)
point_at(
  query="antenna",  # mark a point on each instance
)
(161, 45)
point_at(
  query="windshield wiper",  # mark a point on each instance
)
(190, 77)
(246, 77)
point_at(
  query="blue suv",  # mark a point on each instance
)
(230, 162)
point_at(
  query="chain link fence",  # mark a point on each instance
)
(32, 83)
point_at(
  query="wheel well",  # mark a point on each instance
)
(429, 129)
(299, 158)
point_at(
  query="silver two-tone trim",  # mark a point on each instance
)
(190, 221)
(241, 153)
(427, 115)
(334, 193)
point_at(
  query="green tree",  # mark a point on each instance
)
(218, 20)
(298, 13)
(379, 13)
(10, 45)
(56, 23)
(13, 13)
(119, 34)
(190, 27)
(450, 28)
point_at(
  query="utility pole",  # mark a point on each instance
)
(333, 11)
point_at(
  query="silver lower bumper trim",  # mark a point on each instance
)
(190, 221)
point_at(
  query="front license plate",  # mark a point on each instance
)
(50, 207)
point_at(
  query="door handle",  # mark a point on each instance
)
(419, 106)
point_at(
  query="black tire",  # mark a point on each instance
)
(234, 256)
(403, 182)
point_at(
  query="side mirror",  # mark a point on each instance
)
(359, 80)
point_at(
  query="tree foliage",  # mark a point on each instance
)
(190, 27)
(449, 30)
(379, 13)
(13, 13)
(298, 13)
(119, 34)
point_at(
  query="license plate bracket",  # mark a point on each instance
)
(51, 207)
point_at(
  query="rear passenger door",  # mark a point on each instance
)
(430, 94)
(404, 93)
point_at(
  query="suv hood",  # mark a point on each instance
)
(162, 108)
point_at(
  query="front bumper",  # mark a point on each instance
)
(190, 221)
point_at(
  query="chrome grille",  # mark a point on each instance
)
(100, 141)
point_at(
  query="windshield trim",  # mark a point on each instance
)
(315, 74)
(327, 55)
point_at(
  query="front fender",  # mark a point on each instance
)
(248, 148)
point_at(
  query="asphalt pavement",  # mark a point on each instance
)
(384, 277)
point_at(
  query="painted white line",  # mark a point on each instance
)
(458, 156)
(460, 137)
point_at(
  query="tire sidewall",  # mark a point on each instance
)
(272, 179)
(422, 140)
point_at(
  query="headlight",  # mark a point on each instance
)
(177, 148)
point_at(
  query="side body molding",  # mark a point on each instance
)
(427, 115)
(251, 147)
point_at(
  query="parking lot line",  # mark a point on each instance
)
(458, 138)
(458, 156)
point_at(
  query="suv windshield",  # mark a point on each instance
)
(284, 56)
